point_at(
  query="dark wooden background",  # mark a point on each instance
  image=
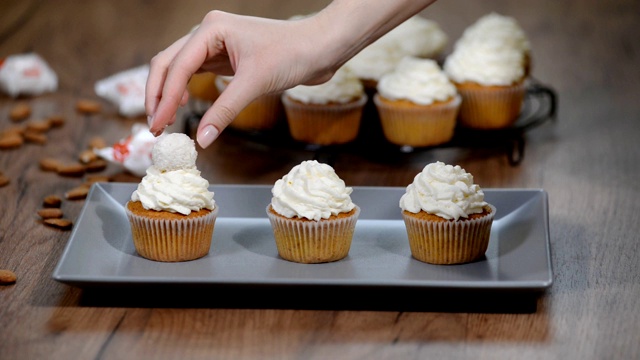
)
(587, 161)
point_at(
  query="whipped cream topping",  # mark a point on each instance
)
(416, 36)
(342, 88)
(443, 190)
(420, 81)
(492, 51)
(311, 190)
(173, 183)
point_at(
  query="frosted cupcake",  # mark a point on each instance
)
(326, 114)
(312, 215)
(489, 66)
(172, 213)
(417, 104)
(446, 217)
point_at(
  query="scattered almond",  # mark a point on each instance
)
(50, 164)
(63, 224)
(87, 106)
(71, 169)
(97, 143)
(52, 201)
(50, 213)
(11, 141)
(35, 137)
(56, 120)
(77, 193)
(7, 277)
(87, 156)
(39, 125)
(13, 130)
(4, 180)
(96, 165)
(96, 178)
(20, 112)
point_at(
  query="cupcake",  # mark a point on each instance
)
(446, 217)
(489, 66)
(172, 213)
(312, 215)
(326, 114)
(261, 114)
(417, 104)
(416, 36)
(202, 91)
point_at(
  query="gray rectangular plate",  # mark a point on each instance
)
(100, 251)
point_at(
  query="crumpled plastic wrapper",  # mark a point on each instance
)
(26, 74)
(125, 90)
(132, 152)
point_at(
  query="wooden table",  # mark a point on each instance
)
(587, 161)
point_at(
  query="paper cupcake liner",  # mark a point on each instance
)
(324, 124)
(420, 125)
(172, 240)
(449, 242)
(262, 113)
(312, 242)
(491, 107)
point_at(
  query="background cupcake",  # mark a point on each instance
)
(326, 114)
(489, 66)
(312, 215)
(417, 104)
(261, 114)
(172, 213)
(446, 217)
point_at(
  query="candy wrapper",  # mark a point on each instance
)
(125, 90)
(132, 152)
(26, 74)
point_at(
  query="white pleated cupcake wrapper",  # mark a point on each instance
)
(506, 104)
(313, 241)
(449, 242)
(419, 126)
(172, 240)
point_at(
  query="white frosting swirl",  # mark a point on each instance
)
(420, 81)
(342, 88)
(492, 51)
(311, 190)
(173, 183)
(443, 190)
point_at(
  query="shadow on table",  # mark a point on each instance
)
(315, 298)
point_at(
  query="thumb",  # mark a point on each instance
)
(224, 110)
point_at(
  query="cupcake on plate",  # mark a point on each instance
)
(446, 217)
(172, 213)
(417, 104)
(489, 66)
(326, 114)
(261, 114)
(312, 215)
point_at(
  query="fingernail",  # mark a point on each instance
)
(150, 120)
(208, 135)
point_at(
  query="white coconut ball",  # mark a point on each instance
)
(174, 152)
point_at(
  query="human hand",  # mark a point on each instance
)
(263, 55)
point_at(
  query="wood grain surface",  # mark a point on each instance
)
(587, 161)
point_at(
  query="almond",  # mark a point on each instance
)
(35, 137)
(87, 156)
(4, 180)
(96, 165)
(13, 130)
(50, 213)
(20, 112)
(97, 143)
(50, 164)
(86, 106)
(96, 178)
(56, 120)
(63, 224)
(11, 141)
(52, 201)
(77, 193)
(7, 277)
(71, 169)
(39, 125)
